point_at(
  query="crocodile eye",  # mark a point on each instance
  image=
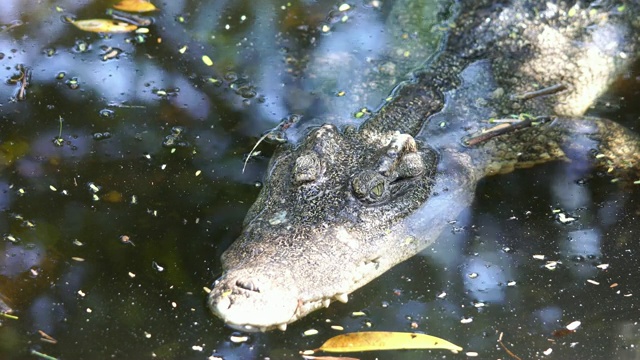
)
(369, 186)
(377, 190)
(307, 168)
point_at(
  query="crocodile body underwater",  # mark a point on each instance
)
(344, 205)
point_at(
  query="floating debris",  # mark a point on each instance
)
(573, 325)
(565, 219)
(207, 60)
(47, 338)
(11, 238)
(125, 239)
(552, 265)
(110, 53)
(310, 332)
(8, 316)
(157, 267)
(466, 320)
(43, 355)
(238, 338)
(93, 187)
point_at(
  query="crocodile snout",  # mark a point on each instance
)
(254, 300)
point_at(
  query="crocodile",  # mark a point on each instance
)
(509, 89)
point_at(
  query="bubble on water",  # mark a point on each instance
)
(101, 135)
(107, 114)
(81, 46)
(246, 91)
(231, 76)
(49, 52)
(73, 83)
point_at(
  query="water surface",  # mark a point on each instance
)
(121, 184)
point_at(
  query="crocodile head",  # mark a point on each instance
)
(327, 221)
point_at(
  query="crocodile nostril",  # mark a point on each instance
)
(250, 285)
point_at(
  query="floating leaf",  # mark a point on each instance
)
(104, 26)
(383, 340)
(135, 6)
(310, 357)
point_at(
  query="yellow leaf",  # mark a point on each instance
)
(384, 340)
(135, 6)
(104, 26)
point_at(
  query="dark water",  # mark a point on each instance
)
(150, 146)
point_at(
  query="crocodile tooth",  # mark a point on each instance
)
(263, 329)
(326, 302)
(343, 298)
(282, 327)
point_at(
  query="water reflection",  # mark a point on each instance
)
(66, 271)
